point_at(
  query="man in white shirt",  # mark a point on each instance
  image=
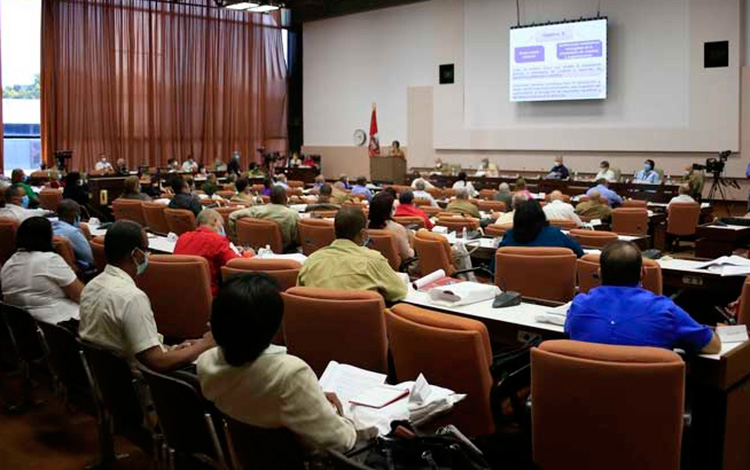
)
(116, 314)
(507, 218)
(16, 205)
(420, 192)
(423, 179)
(103, 165)
(190, 166)
(605, 172)
(683, 194)
(558, 209)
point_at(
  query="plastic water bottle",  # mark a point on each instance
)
(463, 233)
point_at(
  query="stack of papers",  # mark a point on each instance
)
(554, 316)
(464, 293)
(727, 266)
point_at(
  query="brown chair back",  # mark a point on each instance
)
(457, 224)
(97, 248)
(497, 230)
(593, 238)
(461, 362)
(179, 221)
(50, 198)
(634, 203)
(156, 219)
(63, 248)
(407, 220)
(226, 194)
(422, 201)
(225, 211)
(491, 206)
(587, 269)
(385, 242)
(487, 194)
(8, 229)
(284, 271)
(315, 234)
(179, 311)
(128, 209)
(547, 273)
(565, 224)
(257, 233)
(630, 221)
(347, 326)
(626, 403)
(431, 211)
(434, 252)
(436, 193)
(682, 218)
(295, 184)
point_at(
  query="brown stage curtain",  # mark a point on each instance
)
(149, 80)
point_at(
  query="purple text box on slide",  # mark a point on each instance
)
(529, 54)
(579, 50)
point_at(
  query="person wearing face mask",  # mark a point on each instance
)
(234, 164)
(210, 241)
(605, 172)
(117, 315)
(18, 178)
(68, 225)
(17, 205)
(348, 264)
(648, 174)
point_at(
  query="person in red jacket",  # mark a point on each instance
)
(406, 208)
(208, 240)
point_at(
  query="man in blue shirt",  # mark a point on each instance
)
(648, 174)
(361, 188)
(602, 187)
(620, 312)
(68, 226)
(559, 171)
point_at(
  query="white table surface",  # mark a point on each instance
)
(159, 243)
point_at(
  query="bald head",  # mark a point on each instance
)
(339, 185)
(556, 196)
(208, 217)
(504, 188)
(621, 264)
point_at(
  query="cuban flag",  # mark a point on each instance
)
(374, 148)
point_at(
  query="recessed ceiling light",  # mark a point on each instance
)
(264, 9)
(242, 6)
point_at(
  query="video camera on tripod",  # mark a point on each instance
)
(714, 166)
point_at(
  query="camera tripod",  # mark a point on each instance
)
(717, 189)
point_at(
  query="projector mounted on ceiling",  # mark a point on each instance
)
(253, 7)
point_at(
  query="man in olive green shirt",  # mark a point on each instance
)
(277, 211)
(347, 264)
(462, 205)
(594, 208)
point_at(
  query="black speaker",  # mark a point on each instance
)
(446, 74)
(716, 54)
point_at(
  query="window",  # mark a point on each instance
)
(21, 66)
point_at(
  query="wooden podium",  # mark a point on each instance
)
(388, 169)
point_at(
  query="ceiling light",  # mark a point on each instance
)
(263, 9)
(242, 6)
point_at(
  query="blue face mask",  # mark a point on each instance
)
(222, 232)
(647, 167)
(140, 268)
(25, 201)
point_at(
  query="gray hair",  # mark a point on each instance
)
(207, 217)
(420, 185)
(504, 188)
(462, 193)
(519, 199)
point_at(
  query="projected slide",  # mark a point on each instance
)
(566, 61)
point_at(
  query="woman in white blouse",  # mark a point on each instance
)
(39, 280)
(381, 218)
(461, 182)
(258, 383)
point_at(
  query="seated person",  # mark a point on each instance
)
(324, 202)
(504, 195)
(122, 167)
(103, 165)
(39, 280)
(210, 241)
(395, 150)
(190, 165)
(521, 188)
(462, 183)
(18, 178)
(173, 165)
(17, 205)
(605, 173)
(68, 225)
(461, 205)
(531, 228)
(276, 211)
(219, 165)
(338, 193)
(621, 312)
(183, 197)
(254, 171)
(76, 189)
(320, 181)
(117, 315)
(244, 194)
(406, 208)
(648, 174)
(348, 264)
(559, 171)
(345, 181)
(696, 179)
(132, 189)
(381, 211)
(421, 193)
(361, 188)
(593, 207)
(684, 194)
(281, 181)
(602, 187)
(294, 160)
(423, 178)
(507, 218)
(558, 209)
(211, 185)
(267, 185)
(258, 383)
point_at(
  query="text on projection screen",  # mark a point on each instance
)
(566, 61)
